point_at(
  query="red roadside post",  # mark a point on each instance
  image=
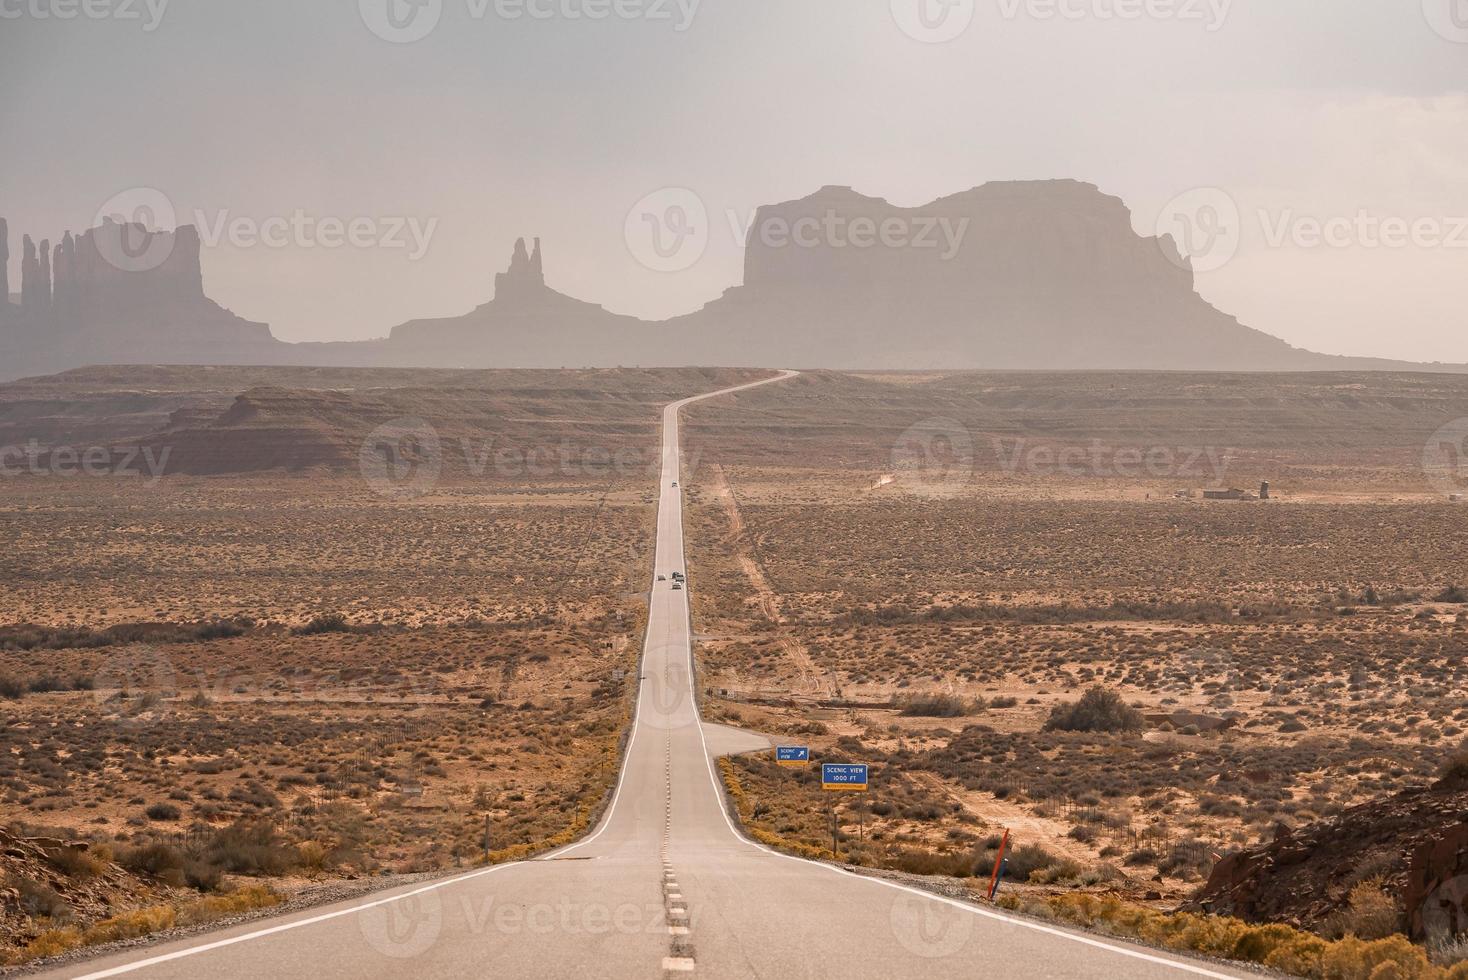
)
(998, 863)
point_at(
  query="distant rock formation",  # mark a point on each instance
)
(526, 325)
(525, 279)
(121, 293)
(30, 277)
(1007, 275)
(1029, 274)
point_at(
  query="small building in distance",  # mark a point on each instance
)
(1230, 494)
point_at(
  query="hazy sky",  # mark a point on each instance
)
(554, 117)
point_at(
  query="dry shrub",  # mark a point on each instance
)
(1371, 913)
(1098, 710)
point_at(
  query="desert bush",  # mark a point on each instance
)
(1455, 770)
(250, 847)
(1098, 710)
(80, 862)
(1370, 913)
(46, 684)
(163, 811)
(1024, 861)
(935, 706)
(324, 623)
(12, 688)
(1454, 594)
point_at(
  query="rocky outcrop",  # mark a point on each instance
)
(1436, 896)
(1009, 275)
(529, 325)
(524, 281)
(121, 293)
(31, 285)
(1021, 274)
(1417, 841)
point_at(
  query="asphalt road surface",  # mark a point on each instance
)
(665, 885)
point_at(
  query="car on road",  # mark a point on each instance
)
(677, 586)
(662, 578)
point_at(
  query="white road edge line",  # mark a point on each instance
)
(965, 906)
(469, 876)
(287, 926)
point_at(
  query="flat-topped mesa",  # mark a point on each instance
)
(1015, 238)
(125, 268)
(524, 279)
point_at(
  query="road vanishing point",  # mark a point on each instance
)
(665, 885)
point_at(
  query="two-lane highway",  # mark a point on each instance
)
(664, 886)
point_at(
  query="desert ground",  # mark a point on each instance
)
(357, 617)
(877, 578)
(305, 674)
